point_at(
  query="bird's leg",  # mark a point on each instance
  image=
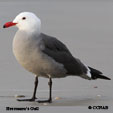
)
(35, 88)
(50, 92)
(34, 93)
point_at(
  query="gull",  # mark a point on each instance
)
(44, 55)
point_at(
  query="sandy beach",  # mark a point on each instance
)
(86, 27)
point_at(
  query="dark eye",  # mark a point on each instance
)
(23, 18)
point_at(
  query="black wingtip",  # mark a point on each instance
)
(96, 74)
(104, 77)
(100, 77)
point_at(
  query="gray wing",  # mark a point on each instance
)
(59, 52)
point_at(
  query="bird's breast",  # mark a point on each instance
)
(26, 52)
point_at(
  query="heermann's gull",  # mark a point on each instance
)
(44, 55)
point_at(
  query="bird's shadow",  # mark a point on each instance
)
(73, 101)
(69, 102)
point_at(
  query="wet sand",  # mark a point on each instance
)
(86, 27)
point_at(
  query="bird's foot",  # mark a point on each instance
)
(44, 101)
(30, 100)
(35, 99)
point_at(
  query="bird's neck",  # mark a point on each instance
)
(31, 32)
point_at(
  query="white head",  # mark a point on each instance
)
(26, 21)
